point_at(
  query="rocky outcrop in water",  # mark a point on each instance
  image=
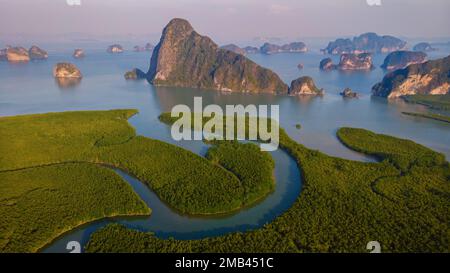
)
(362, 61)
(135, 74)
(37, 53)
(187, 59)
(234, 48)
(148, 47)
(66, 70)
(401, 59)
(304, 86)
(424, 47)
(115, 49)
(432, 77)
(131, 75)
(251, 50)
(296, 47)
(17, 55)
(348, 93)
(78, 53)
(139, 49)
(365, 43)
(327, 64)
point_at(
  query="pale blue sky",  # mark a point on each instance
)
(227, 20)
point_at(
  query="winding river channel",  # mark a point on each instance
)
(165, 222)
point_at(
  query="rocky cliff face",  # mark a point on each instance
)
(362, 61)
(365, 43)
(296, 47)
(424, 47)
(187, 59)
(17, 54)
(327, 64)
(304, 86)
(401, 59)
(234, 48)
(350, 61)
(37, 53)
(432, 77)
(66, 70)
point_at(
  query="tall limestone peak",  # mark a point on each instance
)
(187, 59)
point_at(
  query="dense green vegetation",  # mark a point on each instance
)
(438, 102)
(252, 167)
(187, 182)
(39, 204)
(402, 202)
(402, 153)
(429, 116)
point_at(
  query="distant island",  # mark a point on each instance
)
(349, 61)
(235, 49)
(296, 47)
(115, 49)
(37, 53)
(78, 53)
(424, 47)
(365, 43)
(20, 54)
(401, 59)
(147, 47)
(268, 48)
(251, 50)
(432, 77)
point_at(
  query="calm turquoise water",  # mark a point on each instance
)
(30, 88)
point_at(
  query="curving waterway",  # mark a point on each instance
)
(165, 222)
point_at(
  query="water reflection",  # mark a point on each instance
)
(67, 83)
